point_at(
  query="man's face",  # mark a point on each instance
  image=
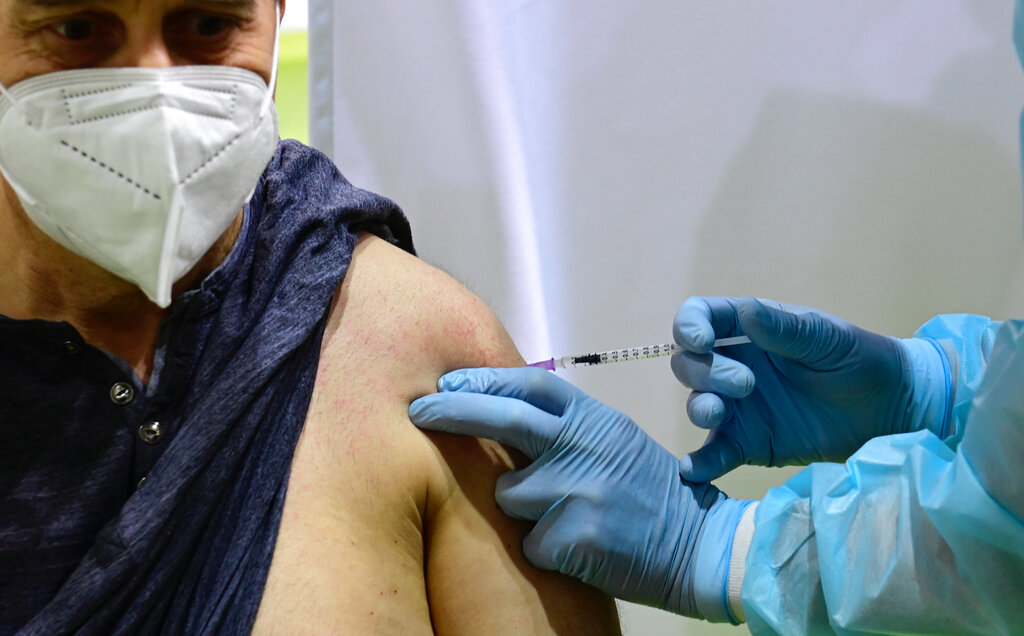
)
(42, 36)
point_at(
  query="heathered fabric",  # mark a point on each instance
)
(83, 548)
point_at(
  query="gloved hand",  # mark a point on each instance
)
(610, 504)
(810, 386)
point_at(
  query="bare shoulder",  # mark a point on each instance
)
(426, 322)
(478, 580)
(383, 521)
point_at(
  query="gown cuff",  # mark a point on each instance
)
(738, 561)
(932, 389)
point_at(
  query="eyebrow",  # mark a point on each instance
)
(47, 4)
(245, 5)
(56, 3)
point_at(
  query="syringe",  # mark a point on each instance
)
(625, 355)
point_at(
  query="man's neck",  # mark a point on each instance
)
(40, 279)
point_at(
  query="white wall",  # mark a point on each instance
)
(296, 15)
(586, 165)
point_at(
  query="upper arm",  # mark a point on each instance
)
(477, 578)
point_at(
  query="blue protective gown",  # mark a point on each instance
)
(913, 534)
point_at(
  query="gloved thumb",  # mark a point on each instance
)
(800, 334)
(719, 455)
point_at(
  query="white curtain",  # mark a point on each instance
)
(584, 166)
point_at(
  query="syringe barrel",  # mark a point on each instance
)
(623, 355)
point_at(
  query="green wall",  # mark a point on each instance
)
(292, 96)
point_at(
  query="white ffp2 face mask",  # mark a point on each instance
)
(138, 170)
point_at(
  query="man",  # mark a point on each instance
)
(920, 531)
(208, 346)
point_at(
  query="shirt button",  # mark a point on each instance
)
(122, 393)
(141, 481)
(151, 432)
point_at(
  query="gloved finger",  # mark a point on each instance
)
(809, 337)
(540, 388)
(524, 494)
(702, 319)
(719, 455)
(713, 373)
(706, 410)
(557, 536)
(573, 538)
(507, 420)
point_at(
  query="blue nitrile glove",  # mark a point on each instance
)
(810, 386)
(610, 505)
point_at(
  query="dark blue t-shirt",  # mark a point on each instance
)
(154, 509)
